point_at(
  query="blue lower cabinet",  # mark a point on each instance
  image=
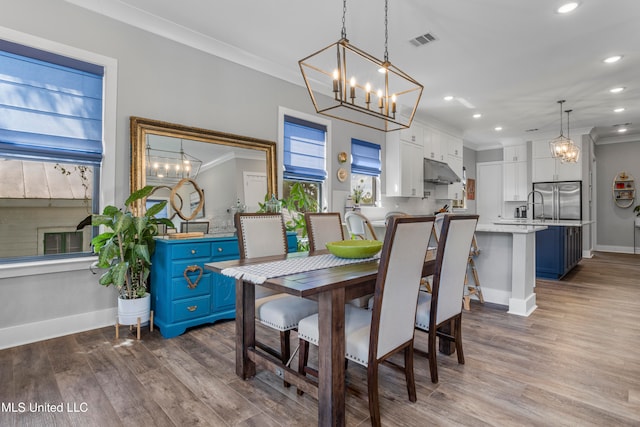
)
(183, 293)
(558, 251)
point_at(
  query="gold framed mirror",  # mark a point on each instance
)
(211, 147)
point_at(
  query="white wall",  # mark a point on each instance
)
(158, 79)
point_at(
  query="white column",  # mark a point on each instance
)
(523, 276)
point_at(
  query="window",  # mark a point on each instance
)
(62, 243)
(365, 171)
(304, 156)
(51, 143)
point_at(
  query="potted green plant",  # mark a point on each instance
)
(637, 211)
(125, 250)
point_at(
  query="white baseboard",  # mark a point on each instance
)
(52, 328)
(617, 249)
(496, 296)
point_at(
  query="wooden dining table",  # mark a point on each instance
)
(332, 288)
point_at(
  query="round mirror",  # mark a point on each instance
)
(195, 195)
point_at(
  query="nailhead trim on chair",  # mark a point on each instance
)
(278, 327)
(357, 360)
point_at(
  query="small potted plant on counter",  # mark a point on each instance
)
(637, 211)
(125, 250)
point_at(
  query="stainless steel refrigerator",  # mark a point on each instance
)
(560, 200)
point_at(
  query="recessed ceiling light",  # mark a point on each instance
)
(448, 98)
(568, 7)
(616, 89)
(612, 59)
(477, 115)
(622, 130)
(619, 110)
(498, 128)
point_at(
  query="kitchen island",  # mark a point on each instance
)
(506, 265)
(558, 248)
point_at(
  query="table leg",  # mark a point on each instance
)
(331, 351)
(245, 328)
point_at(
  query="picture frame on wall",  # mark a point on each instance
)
(471, 189)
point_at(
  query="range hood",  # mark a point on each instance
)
(439, 172)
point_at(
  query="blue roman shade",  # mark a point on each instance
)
(50, 106)
(304, 150)
(365, 158)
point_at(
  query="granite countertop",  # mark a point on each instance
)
(546, 222)
(510, 228)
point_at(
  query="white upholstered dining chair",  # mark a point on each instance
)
(261, 235)
(372, 336)
(323, 228)
(444, 304)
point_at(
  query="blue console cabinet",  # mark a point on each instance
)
(558, 251)
(180, 297)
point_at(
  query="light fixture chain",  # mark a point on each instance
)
(344, 14)
(561, 102)
(386, 31)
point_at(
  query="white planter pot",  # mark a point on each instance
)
(129, 310)
(637, 222)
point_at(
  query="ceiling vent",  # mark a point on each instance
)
(423, 39)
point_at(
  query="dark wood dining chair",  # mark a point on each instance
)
(260, 235)
(393, 213)
(373, 336)
(443, 306)
(323, 228)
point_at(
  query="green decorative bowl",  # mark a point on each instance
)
(355, 248)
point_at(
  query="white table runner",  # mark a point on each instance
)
(259, 273)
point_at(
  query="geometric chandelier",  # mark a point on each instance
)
(560, 145)
(348, 84)
(572, 153)
(166, 165)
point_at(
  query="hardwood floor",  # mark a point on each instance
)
(574, 362)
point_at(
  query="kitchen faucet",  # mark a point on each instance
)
(533, 203)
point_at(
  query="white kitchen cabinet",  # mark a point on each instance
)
(544, 167)
(515, 153)
(404, 167)
(515, 181)
(414, 134)
(454, 146)
(515, 173)
(435, 145)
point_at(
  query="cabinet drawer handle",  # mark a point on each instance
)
(191, 269)
(193, 251)
(219, 249)
(192, 308)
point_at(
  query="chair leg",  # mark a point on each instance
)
(433, 366)
(303, 359)
(408, 372)
(285, 349)
(372, 387)
(458, 338)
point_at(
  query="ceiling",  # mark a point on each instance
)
(510, 60)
